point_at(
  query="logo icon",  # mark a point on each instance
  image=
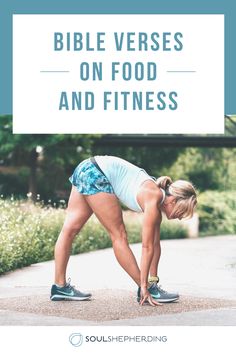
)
(76, 339)
(71, 292)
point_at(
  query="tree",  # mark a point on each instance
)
(54, 150)
(207, 168)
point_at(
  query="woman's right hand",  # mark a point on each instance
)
(146, 296)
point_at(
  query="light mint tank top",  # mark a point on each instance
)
(125, 179)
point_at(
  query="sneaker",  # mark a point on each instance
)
(159, 294)
(67, 292)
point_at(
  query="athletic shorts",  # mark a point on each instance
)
(89, 180)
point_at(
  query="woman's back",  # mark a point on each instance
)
(124, 177)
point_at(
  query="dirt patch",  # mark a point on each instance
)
(107, 305)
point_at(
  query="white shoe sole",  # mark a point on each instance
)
(166, 300)
(64, 297)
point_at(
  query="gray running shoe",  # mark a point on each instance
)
(159, 294)
(67, 292)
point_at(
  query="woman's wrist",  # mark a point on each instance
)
(144, 285)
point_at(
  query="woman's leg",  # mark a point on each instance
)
(108, 211)
(78, 212)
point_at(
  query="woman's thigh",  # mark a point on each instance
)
(78, 211)
(108, 211)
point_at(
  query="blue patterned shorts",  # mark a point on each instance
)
(89, 180)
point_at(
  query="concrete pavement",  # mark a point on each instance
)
(202, 270)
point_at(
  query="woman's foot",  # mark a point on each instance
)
(159, 294)
(67, 292)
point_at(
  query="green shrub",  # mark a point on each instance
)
(171, 230)
(92, 237)
(28, 234)
(217, 212)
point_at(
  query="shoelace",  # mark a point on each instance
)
(160, 289)
(69, 284)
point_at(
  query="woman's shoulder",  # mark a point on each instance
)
(150, 193)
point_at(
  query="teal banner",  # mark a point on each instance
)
(8, 8)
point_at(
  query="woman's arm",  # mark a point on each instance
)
(153, 271)
(152, 218)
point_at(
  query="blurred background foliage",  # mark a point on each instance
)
(41, 164)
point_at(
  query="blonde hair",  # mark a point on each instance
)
(184, 193)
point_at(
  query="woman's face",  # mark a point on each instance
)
(168, 207)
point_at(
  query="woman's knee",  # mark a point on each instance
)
(70, 231)
(119, 235)
(72, 225)
(74, 222)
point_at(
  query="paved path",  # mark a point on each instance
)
(202, 270)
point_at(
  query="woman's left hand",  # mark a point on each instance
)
(146, 296)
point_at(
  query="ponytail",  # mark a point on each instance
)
(184, 193)
(164, 182)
